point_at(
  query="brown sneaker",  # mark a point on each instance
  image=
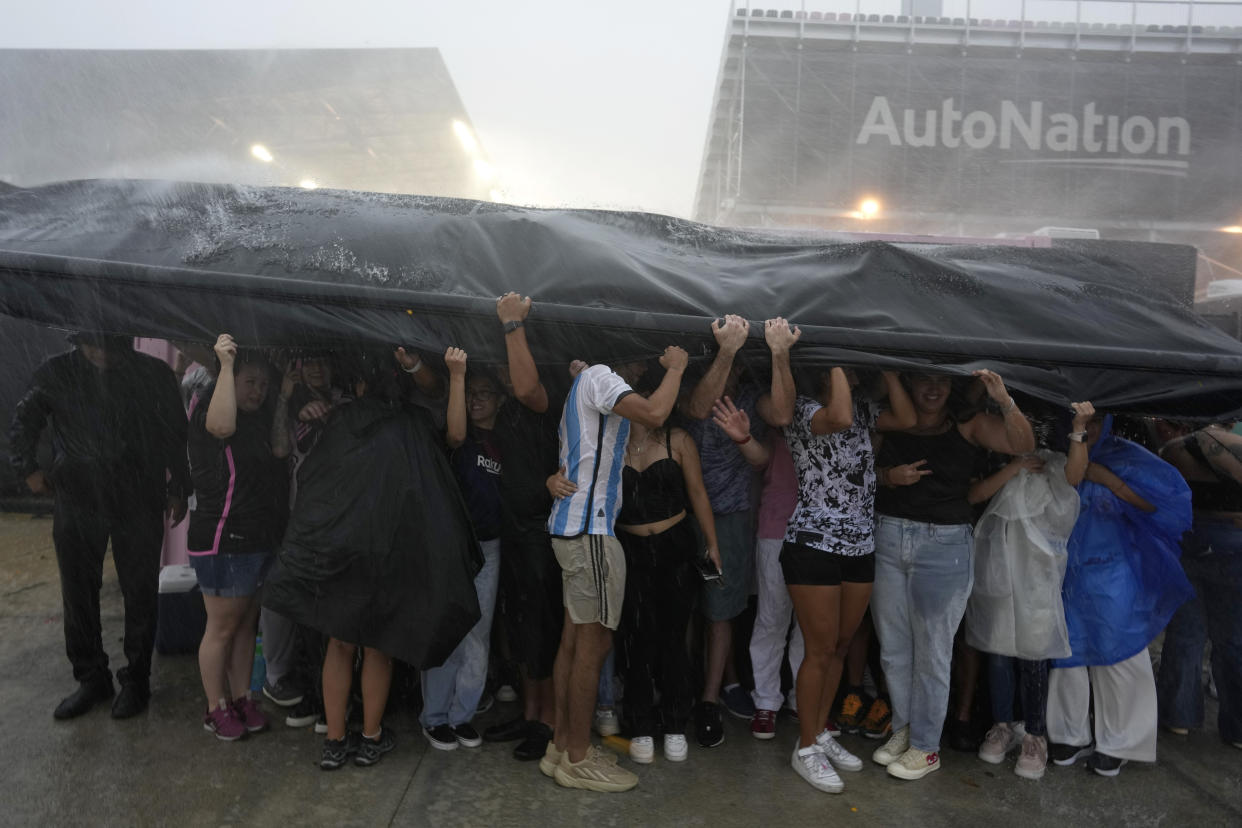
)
(852, 714)
(596, 772)
(879, 721)
(1034, 757)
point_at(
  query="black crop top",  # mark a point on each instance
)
(940, 497)
(656, 493)
(1220, 495)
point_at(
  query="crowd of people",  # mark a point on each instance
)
(851, 544)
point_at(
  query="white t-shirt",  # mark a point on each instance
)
(592, 453)
(836, 482)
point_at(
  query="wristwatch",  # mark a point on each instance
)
(510, 327)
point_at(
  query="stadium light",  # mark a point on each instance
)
(868, 208)
(262, 153)
(468, 142)
(308, 184)
(1233, 228)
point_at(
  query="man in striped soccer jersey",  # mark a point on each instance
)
(593, 432)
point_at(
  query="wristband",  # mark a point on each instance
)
(742, 442)
(1009, 406)
(1078, 436)
(510, 327)
(417, 367)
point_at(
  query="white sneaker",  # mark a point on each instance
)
(506, 693)
(914, 764)
(840, 758)
(606, 723)
(642, 750)
(813, 766)
(1002, 738)
(891, 751)
(675, 748)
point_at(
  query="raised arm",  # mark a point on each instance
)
(1076, 464)
(428, 381)
(900, 414)
(654, 410)
(987, 488)
(730, 337)
(527, 389)
(687, 456)
(222, 410)
(455, 417)
(838, 411)
(1009, 433)
(777, 406)
(282, 436)
(735, 422)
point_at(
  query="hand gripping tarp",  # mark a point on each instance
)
(277, 266)
(1015, 606)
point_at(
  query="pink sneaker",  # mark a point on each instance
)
(223, 722)
(248, 713)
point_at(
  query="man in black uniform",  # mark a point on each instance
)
(119, 465)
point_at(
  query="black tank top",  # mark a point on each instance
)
(656, 493)
(940, 497)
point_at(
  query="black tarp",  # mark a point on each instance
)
(277, 266)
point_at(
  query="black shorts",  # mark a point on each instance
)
(807, 566)
(531, 595)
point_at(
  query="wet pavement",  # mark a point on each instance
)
(162, 768)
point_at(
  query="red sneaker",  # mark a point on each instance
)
(248, 713)
(223, 722)
(763, 724)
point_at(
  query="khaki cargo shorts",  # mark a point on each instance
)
(592, 577)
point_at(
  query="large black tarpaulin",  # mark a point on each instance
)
(277, 266)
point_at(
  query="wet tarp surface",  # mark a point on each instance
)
(277, 266)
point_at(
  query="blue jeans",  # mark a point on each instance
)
(451, 692)
(1213, 613)
(606, 694)
(1032, 690)
(923, 576)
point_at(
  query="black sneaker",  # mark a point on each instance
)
(466, 735)
(1105, 765)
(1065, 755)
(708, 725)
(336, 752)
(282, 693)
(371, 751)
(509, 731)
(962, 736)
(485, 704)
(441, 737)
(303, 714)
(535, 745)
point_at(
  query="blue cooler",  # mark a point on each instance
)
(182, 616)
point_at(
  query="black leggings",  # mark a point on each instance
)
(660, 585)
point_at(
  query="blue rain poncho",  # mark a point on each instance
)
(1124, 579)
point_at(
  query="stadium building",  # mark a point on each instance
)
(968, 126)
(384, 120)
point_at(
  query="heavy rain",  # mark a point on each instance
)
(658, 413)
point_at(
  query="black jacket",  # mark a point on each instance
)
(121, 431)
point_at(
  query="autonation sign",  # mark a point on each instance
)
(1088, 136)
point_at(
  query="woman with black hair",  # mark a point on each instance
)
(923, 556)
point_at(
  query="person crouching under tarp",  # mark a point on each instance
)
(1122, 584)
(359, 563)
(119, 465)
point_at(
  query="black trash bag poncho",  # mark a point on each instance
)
(379, 549)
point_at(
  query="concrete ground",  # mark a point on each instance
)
(162, 768)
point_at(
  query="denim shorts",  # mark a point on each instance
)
(231, 576)
(725, 599)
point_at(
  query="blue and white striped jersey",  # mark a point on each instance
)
(592, 453)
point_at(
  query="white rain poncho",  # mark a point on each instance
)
(1020, 558)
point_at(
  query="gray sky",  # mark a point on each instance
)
(578, 102)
